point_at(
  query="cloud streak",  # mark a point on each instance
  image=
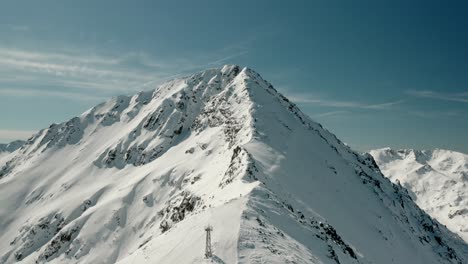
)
(307, 99)
(48, 93)
(65, 67)
(229, 57)
(435, 114)
(331, 113)
(68, 76)
(454, 97)
(82, 72)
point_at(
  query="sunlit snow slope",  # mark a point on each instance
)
(136, 180)
(437, 180)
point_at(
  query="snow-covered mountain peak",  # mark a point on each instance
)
(136, 179)
(440, 159)
(437, 180)
(183, 98)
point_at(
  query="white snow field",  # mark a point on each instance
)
(437, 181)
(137, 179)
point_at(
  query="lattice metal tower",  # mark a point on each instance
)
(208, 252)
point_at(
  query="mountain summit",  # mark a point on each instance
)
(137, 179)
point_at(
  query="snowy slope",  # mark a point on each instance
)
(136, 180)
(437, 180)
(6, 150)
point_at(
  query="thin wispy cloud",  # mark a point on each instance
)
(461, 97)
(65, 65)
(105, 75)
(435, 114)
(331, 113)
(64, 56)
(307, 99)
(229, 57)
(47, 93)
(26, 72)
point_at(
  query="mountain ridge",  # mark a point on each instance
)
(136, 179)
(12, 146)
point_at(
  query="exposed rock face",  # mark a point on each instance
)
(136, 180)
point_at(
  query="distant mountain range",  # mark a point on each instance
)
(10, 147)
(437, 181)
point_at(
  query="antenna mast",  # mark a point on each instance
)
(208, 251)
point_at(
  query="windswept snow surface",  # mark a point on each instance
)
(437, 181)
(136, 180)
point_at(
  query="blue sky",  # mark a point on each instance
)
(375, 73)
